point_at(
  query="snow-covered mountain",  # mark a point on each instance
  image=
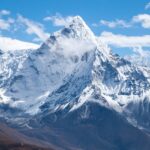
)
(70, 70)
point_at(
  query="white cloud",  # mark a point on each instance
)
(136, 43)
(11, 20)
(139, 56)
(58, 20)
(118, 40)
(141, 52)
(4, 12)
(37, 40)
(143, 19)
(14, 44)
(147, 6)
(71, 46)
(116, 23)
(5, 23)
(34, 28)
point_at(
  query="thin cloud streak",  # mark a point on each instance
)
(34, 28)
(142, 19)
(147, 6)
(116, 23)
(58, 20)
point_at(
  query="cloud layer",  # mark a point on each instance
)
(119, 40)
(13, 44)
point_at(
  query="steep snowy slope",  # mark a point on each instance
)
(104, 78)
(45, 69)
(70, 69)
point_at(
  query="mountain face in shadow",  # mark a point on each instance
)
(90, 127)
(11, 139)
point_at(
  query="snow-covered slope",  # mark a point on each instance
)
(70, 69)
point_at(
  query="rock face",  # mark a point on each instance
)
(74, 79)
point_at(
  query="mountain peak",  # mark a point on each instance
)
(77, 20)
(77, 28)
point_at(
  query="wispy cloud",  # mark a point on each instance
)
(5, 23)
(7, 43)
(142, 19)
(139, 56)
(147, 6)
(58, 20)
(114, 24)
(18, 23)
(34, 28)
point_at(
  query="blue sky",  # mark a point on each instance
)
(123, 17)
(91, 10)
